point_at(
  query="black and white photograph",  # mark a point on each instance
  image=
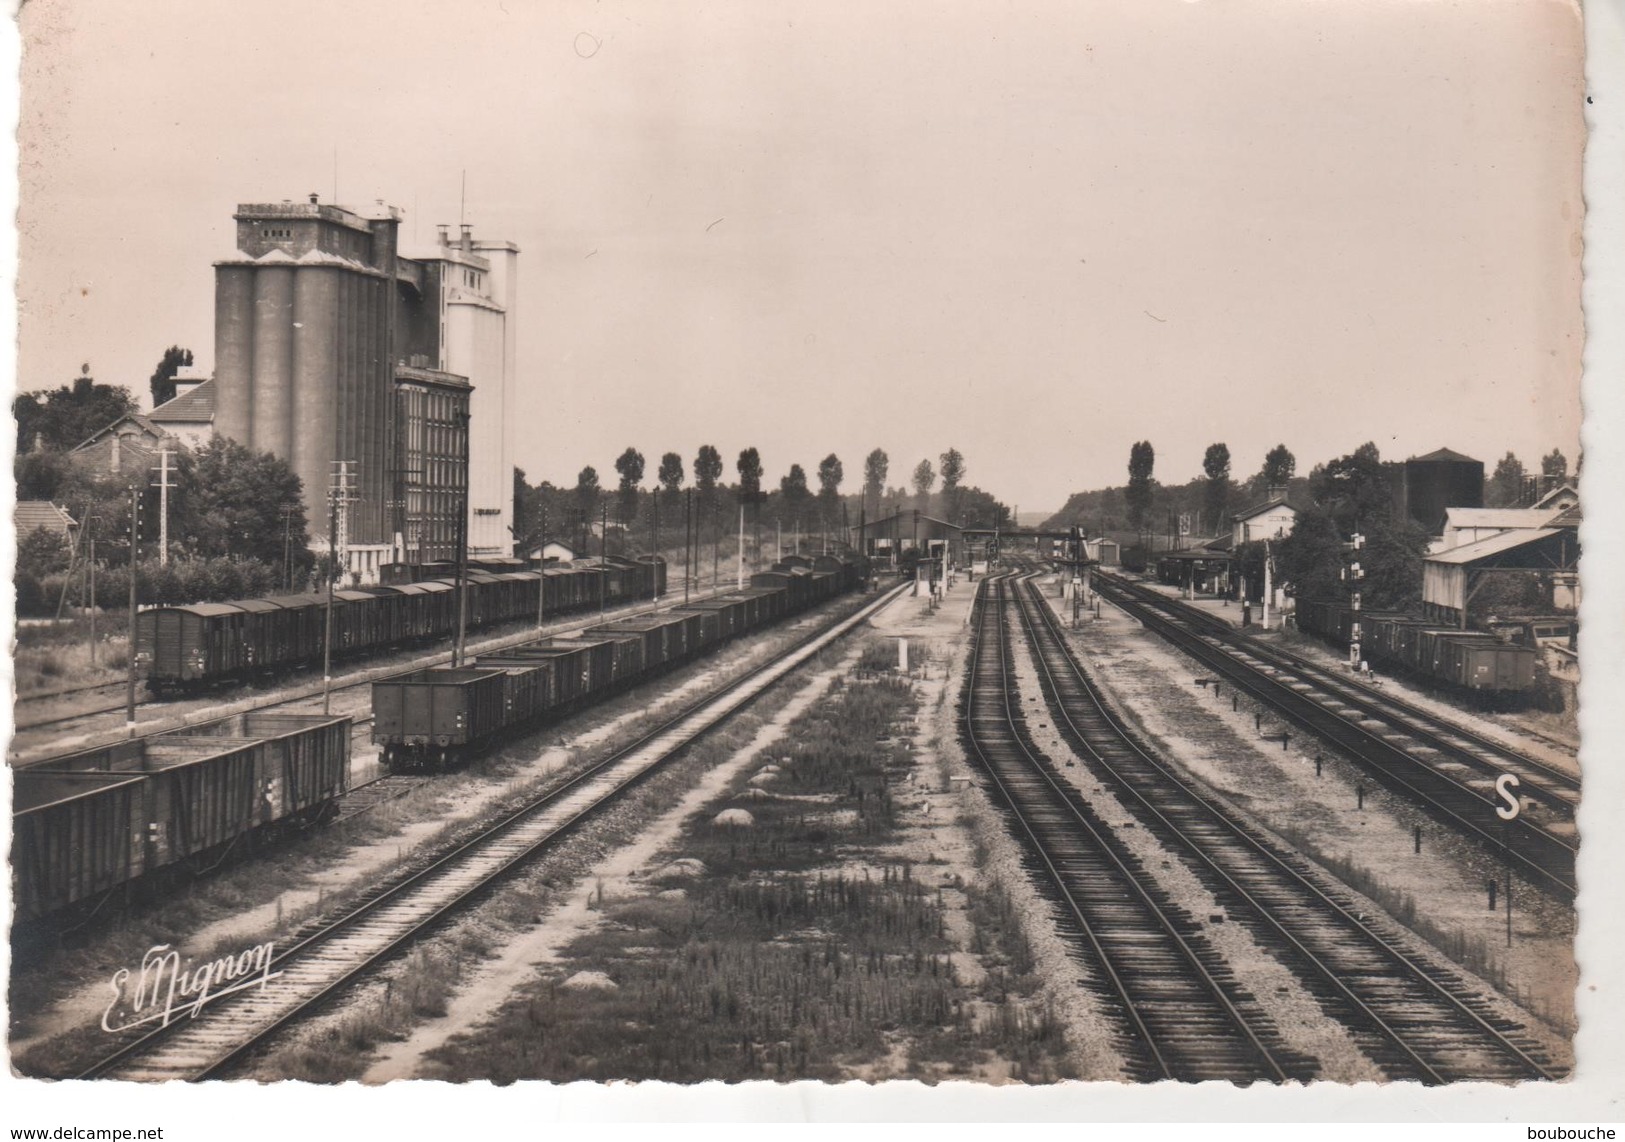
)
(998, 551)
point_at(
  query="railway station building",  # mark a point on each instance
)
(909, 531)
(333, 345)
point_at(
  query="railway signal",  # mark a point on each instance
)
(1508, 812)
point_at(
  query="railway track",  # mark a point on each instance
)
(1550, 784)
(1443, 768)
(324, 962)
(364, 676)
(1414, 1020)
(1179, 1011)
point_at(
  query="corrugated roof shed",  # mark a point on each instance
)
(1503, 518)
(31, 515)
(1494, 545)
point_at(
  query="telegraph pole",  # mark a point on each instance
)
(688, 512)
(90, 574)
(337, 495)
(135, 552)
(740, 584)
(603, 556)
(163, 506)
(462, 545)
(541, 584)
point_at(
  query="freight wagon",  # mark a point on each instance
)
(207, 644)
(435, 719)
(1475, 661)
(104, 819)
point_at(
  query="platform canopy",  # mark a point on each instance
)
(1450, 578)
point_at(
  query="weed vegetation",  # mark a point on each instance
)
(798, 946)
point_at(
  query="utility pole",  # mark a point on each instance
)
(462, 543)
(740, 584)
(603, 557)
(338, 495)
(90, 574)
(163, 506)
(135, 553)
(688, 512)
(541, 574)
(287, 547)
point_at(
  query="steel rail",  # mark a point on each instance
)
(1054, 639)
(1552, 869)
(714, 708)
(1432, 729)
(991, 622)
(572, 622)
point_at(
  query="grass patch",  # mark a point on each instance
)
(791, 948)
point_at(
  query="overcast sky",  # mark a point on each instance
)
(1034, 231)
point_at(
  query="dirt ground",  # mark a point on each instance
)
(1439, 894)
(70, 1002)
(948, 832)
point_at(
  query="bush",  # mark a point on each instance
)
(183, 581)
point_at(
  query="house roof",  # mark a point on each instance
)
(910, 518)
(1503, 518)
(1443, 454)
(30, 515)
(1494, 545)
(1561, 489)
(1253, 512)
(194, 407)
(132, 417)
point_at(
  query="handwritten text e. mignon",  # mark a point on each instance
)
(164, 989)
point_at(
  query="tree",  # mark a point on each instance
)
(707, 471)
(1279, 467)
(1354, 489)
(830, 475)
(587, 492)
(793, 487)
(749, 466)
(630, 467)
(1506, 485)
(875, 467)
(1216, 466)
(69, 415)
(229, 503)
(1142, 459)
(979, 509)
(163, 377)
(924, 477)
(953, 474)
(1555, 466)
(671, 471)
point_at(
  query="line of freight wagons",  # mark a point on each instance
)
(205, 644)
(1464, 659)
(434, 719)
(89, 824)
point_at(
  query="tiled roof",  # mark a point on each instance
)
(1249, 513)
(133, 417)
(194, 407)
(1444, 454)
(32, 514)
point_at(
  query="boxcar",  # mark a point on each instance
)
(73, 837)
(137, 807)
(432, 717)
